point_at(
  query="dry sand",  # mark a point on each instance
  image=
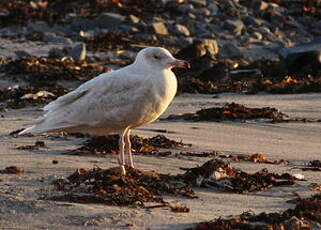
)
(20, 207)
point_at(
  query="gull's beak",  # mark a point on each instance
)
(180, 63)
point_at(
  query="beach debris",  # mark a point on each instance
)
(232, 111)
(216, 173)
(36, 146)
(314, 165)
(12, 170)
(140, 145)
(255, 158)
(44, 70)
(17, 97)
(305, 215)
(109, 186)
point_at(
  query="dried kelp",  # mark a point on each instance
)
(219, 174)
(255, 158)
(232, 111)
(140, 145)
(20, 97)
(314, 165)
(12, 170)
(36, 146)
(45, 71)
(305, 215)
(111, 187)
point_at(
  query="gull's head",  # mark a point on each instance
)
(159, 58)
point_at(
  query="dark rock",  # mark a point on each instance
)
(38, 26)
(253, 21)
(185, 8)
(198, 49)
(198, 2)
(229, 50)
(78, 52)
(236, 26)
(304, 59)
(109, 20)
(22, 53)
(53, 38)
(79, 23)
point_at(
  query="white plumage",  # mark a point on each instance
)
(117, 101)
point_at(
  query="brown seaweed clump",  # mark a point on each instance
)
(110, 187)
(45, 71)
(109, 145)
(232, 111)
(305, 215)
(20, 97)
(219, 174)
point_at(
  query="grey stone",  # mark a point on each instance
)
(78, 52)
(160, 28)
(229, 50)
(22, 53)
(253, 21)
(109, 20)
(198, 2)
(184, 8)
(53, 38)
(56, 53)
(183, 41)
(236, 26)
(181, 30)
(38, 26)
(79, 23)
(213, 8)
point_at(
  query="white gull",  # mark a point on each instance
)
(116, 102)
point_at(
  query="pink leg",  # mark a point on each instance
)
(128, 150)
(121, 157)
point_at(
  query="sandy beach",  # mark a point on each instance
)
(22, 208)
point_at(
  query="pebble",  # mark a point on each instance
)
(160, 28)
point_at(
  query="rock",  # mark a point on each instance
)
(253, 21)
(199, 48)
(213, 8)
(304, 59)
(78, 52)
(257, 35)
(79, 23)
(56, 53)
(236, 26)
(229, 50)
(109, 20)
(133, 18)
(22, 53)
(259, 5)
(198, 2)
(160, 28)
(53, 38)
(181, 30)
(185, 8)
(38, 26)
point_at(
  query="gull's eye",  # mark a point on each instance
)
(156, 57)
